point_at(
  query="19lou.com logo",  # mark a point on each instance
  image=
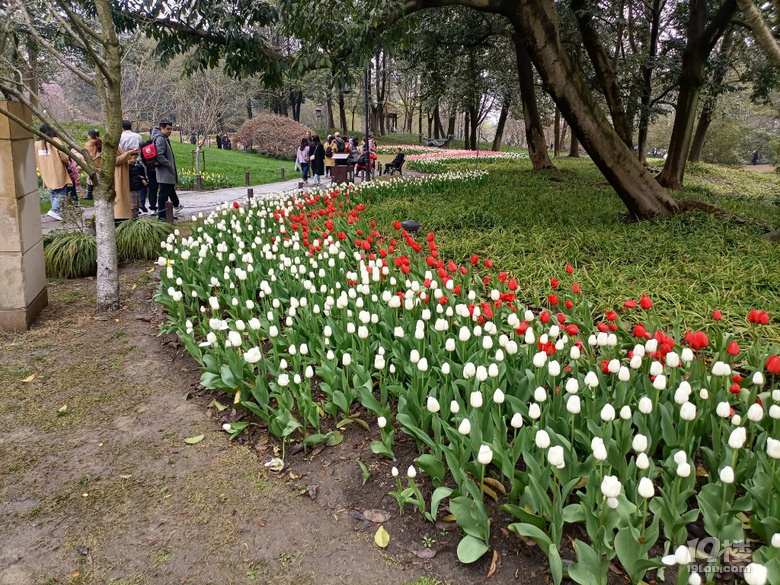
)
(714, 556)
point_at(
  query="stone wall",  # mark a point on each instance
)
(22, 271)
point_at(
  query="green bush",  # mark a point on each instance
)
(70, 254)
(140, 239)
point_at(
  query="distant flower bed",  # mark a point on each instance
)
(407, 149)
(187, 180)
(438, 160)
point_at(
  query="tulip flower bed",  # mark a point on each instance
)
(407, 149)
(439, 160)
(304, 314)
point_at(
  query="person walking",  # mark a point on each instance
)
(123, 207)
(317, 159)
(167, 175)
(129, 140)
(302, 159)
(53, 166)
(330, 149)
(94, 146)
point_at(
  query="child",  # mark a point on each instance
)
(138, 180)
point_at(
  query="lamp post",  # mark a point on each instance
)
(318, 113)
(368, 153)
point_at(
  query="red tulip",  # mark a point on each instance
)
(235, 205)
(717, 315)
(568, 304)
(430, 236)
(512, 284)
(569, 269)
(698, 340)
(554, 283)
(611, 315)
(773, 365)
(639, 330)
(646, 302)
(630, 304)
(733, 348)
(575, 288)
(553, 299)
(544, 317)
(488, 263)
(397, 225)
(475, 259)
(734, 389)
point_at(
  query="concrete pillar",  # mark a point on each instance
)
(22, 269)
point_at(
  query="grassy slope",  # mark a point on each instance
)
(532, 223)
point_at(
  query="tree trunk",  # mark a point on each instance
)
(642, 195)
(474, 116)
(430, 125)
(342, 113)
(605, 72)
(467, 131)
(534, 131)
(557, 134)
(574, 147)
(648, 66)
(501, 123)
(419, 121)
(438, 126)
(110, 93)
(249, 108)
(701, 39)
(331, 121)
(705, 119)
(451, 121)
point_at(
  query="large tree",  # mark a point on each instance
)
(83, 39)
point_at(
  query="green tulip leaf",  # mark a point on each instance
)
(471, 549)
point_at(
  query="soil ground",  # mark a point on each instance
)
(98, 486)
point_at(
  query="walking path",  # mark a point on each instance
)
(194, 202)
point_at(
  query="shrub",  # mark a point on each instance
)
(70, 254)
(276, 136)
(140, 239)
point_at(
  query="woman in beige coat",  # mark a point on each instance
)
(330, 147)
(122, 207)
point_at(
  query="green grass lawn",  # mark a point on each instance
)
(533, 223)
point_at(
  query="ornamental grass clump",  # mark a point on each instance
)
(140, 239)
(70, 254)
(611, 421)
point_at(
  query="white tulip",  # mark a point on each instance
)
(660, 382)
(253, 355)
(540, 359)
(672, 359)
(234, 337)
(464, 334)
(449, 345)
(542, 439)
(723, 409)
(680, 457)
(645, 405)
(694, 579)
(636, 362)
(646, 488)
(687, 355)
(481, 373)
(498, 396)
(534, 411)
(517, 421)
(773, 448)
(554, 368)
(737, 438)
(774, 412)
(346, 359)
(611, 486)
(682, 555)
(485, 455)
(755, 413)
(464, 428)
(432, 405)
(642, 461)
(381, 422)
(656, 368)
(454, 407)
(776, 540)
(422, 365)
(475, 399)
(639, 444)
(599, 449)
(608, 413)
(414, 356)
(555, 457)
(572, 386)
(540, 394)
(704, 394)
(625, 413)
(758, 379)
(573, 404)
(574, 352)
(755, 574)
(493, 370)
(688, 411)
(283, 379)
(684, 469)
(624, 374)
(411, 473)
(445, 368)
(394, 471)
(469, 370)
(726, 474)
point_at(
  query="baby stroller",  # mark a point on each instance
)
(365, 162)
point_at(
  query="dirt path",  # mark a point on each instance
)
(98, 486)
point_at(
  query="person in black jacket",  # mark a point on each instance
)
(138, 180)
(397, 163)
(317, 159)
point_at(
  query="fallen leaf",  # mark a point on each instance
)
(82, 549)
(237, 397)
(194, 440)
(495, 484)
(275, 464)
(29, 378)
(376, 516)
(490, 492)
(293, 476)
(449, 518)
(381, 537)
(75, 574)
(701, 472)
(334, 439)
(150, 270)
(63, 409)
(126, 476)
(216, 404)
(495, 564)
(99, 318)
(426, 553)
